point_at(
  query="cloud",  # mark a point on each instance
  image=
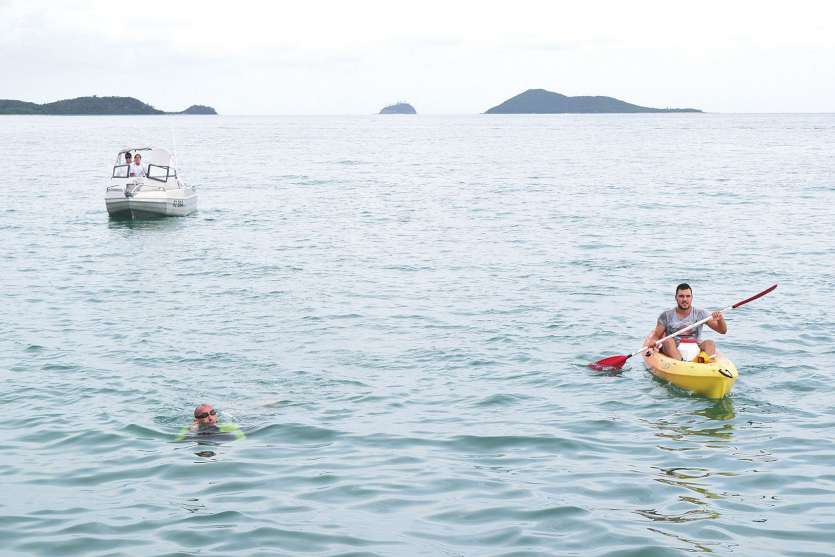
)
(459, 56)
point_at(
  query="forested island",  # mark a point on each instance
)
(93, 106)
(540, 101)
(399, 108)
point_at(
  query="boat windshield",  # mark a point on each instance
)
(120, 171)
(161, 173)
(157, 163)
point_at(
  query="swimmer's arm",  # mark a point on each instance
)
(234, 429)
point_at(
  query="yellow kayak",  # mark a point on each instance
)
(713, 380)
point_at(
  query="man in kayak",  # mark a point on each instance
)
(205, 423)
(681, 316)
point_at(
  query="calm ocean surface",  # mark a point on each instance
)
(398, 311)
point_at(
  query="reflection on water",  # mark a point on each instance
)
(694, 431)
(721, 410)
(124, 221)
(679, 432)
(694, 427)
(193, 505)
(691, 479)
(688, 516)
(696, 500)
(702, 547)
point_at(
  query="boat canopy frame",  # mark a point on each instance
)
(160, 163)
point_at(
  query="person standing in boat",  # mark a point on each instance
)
(136, 169)
(681, 316)
(128, 158)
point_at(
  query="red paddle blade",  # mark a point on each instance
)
(611, 362)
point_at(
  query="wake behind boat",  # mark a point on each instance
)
(152, 188)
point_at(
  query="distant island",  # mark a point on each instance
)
(540, 101)
(399, 108)
(93, 106)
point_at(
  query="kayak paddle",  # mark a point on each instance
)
(616, 362)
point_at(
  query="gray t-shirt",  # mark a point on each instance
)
(672, 323)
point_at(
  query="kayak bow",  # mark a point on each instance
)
(713, 380)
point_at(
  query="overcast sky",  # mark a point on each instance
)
(444, 57)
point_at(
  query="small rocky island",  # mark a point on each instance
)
(540, 101)
(399, 108)
(93, 106)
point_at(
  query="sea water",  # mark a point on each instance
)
(399, 312)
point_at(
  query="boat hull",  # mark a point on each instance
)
(714, 380)
(165, 204)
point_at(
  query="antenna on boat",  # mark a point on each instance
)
(173, 144)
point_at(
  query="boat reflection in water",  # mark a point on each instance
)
(720, 410)
(687, 427)
(695, 462)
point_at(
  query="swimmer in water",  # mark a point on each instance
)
(205, 418)
(205, 423)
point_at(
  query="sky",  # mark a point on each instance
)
(443, 57)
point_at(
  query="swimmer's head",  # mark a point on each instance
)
(205, 415)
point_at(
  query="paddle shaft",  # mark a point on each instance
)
(706, 319)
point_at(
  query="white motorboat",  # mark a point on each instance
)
(159, 192)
